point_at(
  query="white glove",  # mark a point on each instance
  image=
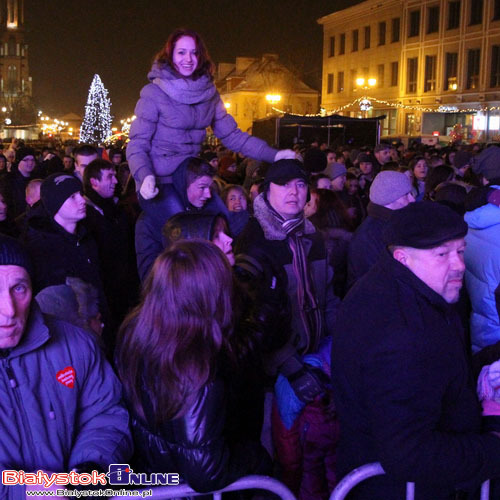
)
(148, 187)
(285, 154)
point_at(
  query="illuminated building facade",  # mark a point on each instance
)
(434, 61)
(251, 87)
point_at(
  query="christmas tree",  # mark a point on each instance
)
(96, 126)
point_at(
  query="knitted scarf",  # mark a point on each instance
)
(310, 313)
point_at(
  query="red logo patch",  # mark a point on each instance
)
(67, 376)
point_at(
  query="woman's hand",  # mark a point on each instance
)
(148, 187)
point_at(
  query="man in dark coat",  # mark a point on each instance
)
(402, 380)
(389, 191)
(108, 225)
(57, 241)
(19, 178)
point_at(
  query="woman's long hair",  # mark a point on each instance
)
(170, 343)
(166, 54)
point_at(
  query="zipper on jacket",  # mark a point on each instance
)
(26, 422)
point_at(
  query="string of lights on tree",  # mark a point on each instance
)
(96, 126)
(365, 103)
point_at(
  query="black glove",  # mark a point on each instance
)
(309, 382)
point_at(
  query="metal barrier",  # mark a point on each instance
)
(375, 469)
(245, 483)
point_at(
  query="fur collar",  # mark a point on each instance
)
(271, 227)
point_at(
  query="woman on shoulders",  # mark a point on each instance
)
(173, 112)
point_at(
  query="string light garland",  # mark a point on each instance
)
(359, 100)
(96, 126)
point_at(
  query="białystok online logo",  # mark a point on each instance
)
(117, 475)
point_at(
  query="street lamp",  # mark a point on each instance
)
(273, 98)
(365, 84)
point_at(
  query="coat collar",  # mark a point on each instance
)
(404, 275)
(271, 227)
(379, 211)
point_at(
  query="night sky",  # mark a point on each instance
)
(70, 40)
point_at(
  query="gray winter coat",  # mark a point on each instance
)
(172, 116)
(51, 420)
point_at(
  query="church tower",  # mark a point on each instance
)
(15, 82)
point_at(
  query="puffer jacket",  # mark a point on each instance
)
(482, 275)
(196, 445)
(55, 424)
(172, 116)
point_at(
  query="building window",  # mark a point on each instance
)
(396, 29)
(354, 75)
(340, 81)
(355, 37)
(410, 124)
(380, 75)
(329, 83)
(453, 14)
(12, 46)
(430, 74)
(381, 33)
(473, 57)
(411, 84)
(342, 44)
(331, 52)
(414, 28)
(476, 12)
(495, 66)
(451, 71)
(433, 19)
(394, 73)
(496, 10)
(367, 37)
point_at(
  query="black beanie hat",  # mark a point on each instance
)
(424, 225)
(56, 189)
(13, 253)
(22, 153)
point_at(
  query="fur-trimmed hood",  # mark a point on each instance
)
(271, 227)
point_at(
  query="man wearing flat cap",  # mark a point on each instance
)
(60, 402)
(402, 382)
(286, 258)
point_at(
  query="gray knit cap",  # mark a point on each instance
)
(388, 186)
(13, 253)
(335, 170)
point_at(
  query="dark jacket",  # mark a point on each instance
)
(197, 445)
(17, 184)
(367, 243)
(108, 225)
(263, 246)
(404, 390)
(56, 254)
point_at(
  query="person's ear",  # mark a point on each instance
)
(94, 183)
(401, 255)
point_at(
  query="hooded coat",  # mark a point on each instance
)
(482, 275)
(172, 116)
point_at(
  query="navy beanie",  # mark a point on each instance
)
(13, 253)
(56, 189)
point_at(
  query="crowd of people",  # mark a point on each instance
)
(221, 312)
